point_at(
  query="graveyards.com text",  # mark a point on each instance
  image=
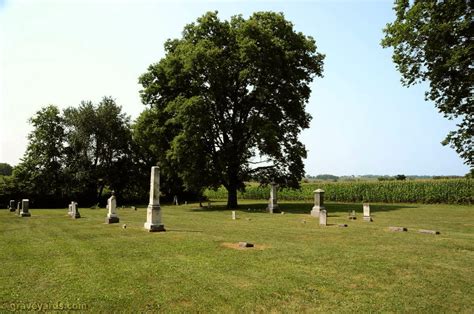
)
(40, 306)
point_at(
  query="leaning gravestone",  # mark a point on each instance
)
(273, 201)
(318, 202)
(75, 211)
(12, 206)
(367, 216)
(25, 207)
(323, 217)
(153, 213)
(112, 216)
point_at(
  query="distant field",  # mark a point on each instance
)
(297, 265)
(448, 191)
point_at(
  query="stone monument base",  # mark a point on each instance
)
(367, 218)
(154, 228)
(315, 211)
(25, 215)
(112, 220)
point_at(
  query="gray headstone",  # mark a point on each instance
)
(323, 217)
(153, 214)
(318, 202)
(11, 207)
(25, 208)
(18, 208)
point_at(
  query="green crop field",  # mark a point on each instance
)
(52, 261)
(448, 191)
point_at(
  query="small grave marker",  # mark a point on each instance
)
(323, 217)
(367, 216)
(398, 229)
(428, 231)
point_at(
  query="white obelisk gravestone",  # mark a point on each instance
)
(153, 213)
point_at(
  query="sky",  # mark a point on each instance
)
(364, 121)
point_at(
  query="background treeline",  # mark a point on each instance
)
(82, 154)
(446, 191)
(371, 177)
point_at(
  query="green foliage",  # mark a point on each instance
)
(40, 172)
(326, 177)
(98, 147)
(230, 96)
(400, 177)
(451, 191)
(432, 41)
(5, 169)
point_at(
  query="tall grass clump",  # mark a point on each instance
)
(448, 191)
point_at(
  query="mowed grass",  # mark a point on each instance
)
(297, 266)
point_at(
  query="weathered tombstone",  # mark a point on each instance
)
(69, 211)
(75, 210)
(367, 216)
(112, 216)
(352, 215)
(318, 202)
(398, 229)
(18, 208)
(153, 213)
(273, 201)
(25, 207)
(233, 215)
(12, 205)
(428, 231)
(175, 200)
(323, 217)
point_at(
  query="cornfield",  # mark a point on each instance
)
(449, 191)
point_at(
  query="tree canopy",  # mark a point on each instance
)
(433, 42)
(76, 153)
(5, 169)
(229, 99)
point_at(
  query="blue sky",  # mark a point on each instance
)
(364, 122)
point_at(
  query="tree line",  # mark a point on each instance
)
(83, 153)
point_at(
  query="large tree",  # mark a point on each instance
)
(98, 146)
(231, 99)
(41, 170)
(433, 41)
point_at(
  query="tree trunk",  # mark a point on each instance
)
(232, 197)
(99, 194)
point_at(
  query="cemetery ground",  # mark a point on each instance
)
(196, 266)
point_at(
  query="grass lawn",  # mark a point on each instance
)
(297, 265)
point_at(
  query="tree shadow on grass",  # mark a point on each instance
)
(334, 209)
